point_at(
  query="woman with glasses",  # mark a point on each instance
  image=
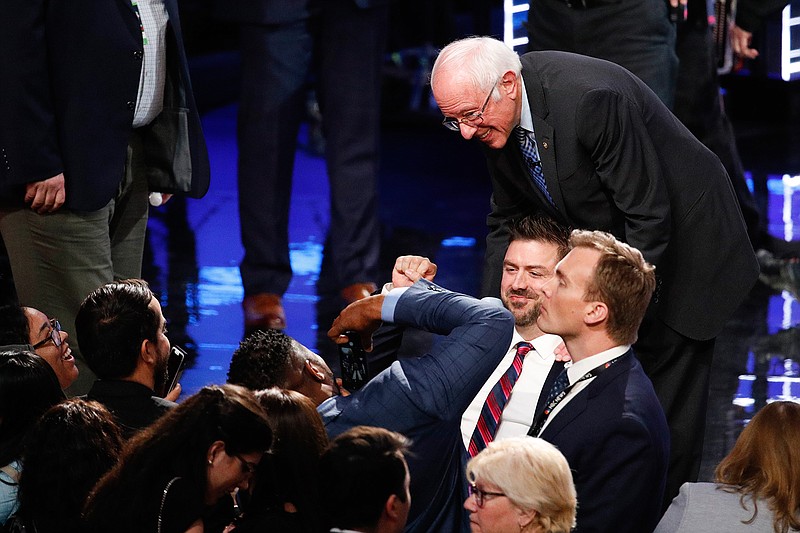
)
(28, 387)
(20, 326)
(285, 496)
(520, 485)
(173, 473)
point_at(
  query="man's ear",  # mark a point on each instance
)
(393, 508)
(597, 313)
(509, 82)
(148, 352)
(314, 371)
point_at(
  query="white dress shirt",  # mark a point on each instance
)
(519, 411)
(578, 369)
(150, 100)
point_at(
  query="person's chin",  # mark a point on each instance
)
(493, 139)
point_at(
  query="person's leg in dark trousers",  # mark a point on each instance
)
(635, 34)
(679, 368)
(698, 105)
(59, 258)
(275, 65)
(351, 47)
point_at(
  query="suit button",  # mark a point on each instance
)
(131, 105)
(138, 54)
(545, 145)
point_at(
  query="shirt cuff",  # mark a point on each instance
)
(390, 302)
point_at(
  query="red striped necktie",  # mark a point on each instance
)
(493, 407)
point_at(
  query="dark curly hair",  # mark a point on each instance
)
(261, 360)
(57, 478)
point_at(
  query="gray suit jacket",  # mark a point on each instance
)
(703, 507)
(424, 397)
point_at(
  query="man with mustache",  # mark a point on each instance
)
(536, 245)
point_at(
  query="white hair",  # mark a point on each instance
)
(481, 60)
(533, 475)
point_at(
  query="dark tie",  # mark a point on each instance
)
(530, 154)
(496, 401)
(561, 383)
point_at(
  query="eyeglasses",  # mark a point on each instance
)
(54, 335)
(247, 467)
(470, 119)
(480, 495)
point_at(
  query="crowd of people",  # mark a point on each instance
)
(573, 402)
(443, 442)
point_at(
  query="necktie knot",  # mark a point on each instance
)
(523, 348)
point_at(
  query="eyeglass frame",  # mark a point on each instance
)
(248, 468)
(471, 119)
(53, 335)
(480, 495)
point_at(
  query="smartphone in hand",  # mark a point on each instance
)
(353, 362)
(175, 365)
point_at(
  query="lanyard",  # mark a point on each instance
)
(596, 371)
(135, 5)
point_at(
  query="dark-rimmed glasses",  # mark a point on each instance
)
(480, 495)
(470, 119)
(54, 335)
(247, 467)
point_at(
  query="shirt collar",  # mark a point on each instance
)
(544, 345)
(525, 117)
(580, 368)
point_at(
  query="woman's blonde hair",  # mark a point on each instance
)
(534, 475)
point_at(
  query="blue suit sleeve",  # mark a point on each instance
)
(478, 332)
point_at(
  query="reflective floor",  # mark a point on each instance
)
(434, 199)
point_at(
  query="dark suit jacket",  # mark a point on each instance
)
(423, 398)
(615, 159)
(133, 405)
(278, 11)
(70, 78)
(615, 438)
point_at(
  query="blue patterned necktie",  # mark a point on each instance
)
(530, 154)
(489, 418)
(561, 383)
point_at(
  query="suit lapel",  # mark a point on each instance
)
(577, 404)
(513, 155)
(545, 135)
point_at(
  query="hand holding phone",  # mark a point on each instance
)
(353, 362)
(175, 365)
